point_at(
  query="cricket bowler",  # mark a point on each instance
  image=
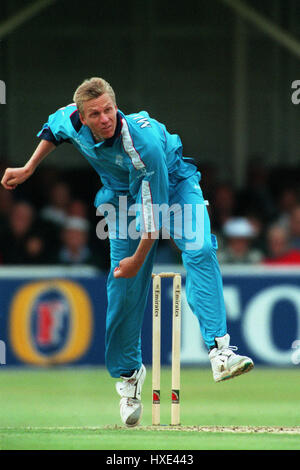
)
(136, 157)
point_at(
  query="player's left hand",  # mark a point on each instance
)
(128, 267)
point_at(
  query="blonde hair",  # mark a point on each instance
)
(92, 88)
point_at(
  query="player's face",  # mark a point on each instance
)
(100, 115)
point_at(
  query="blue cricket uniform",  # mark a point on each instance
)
(144, 162)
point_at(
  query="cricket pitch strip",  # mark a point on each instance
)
(161, 428)
(222, 429)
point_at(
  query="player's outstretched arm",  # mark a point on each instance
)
(14, 176)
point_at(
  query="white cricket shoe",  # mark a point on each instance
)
(130, 390)
(225, 363)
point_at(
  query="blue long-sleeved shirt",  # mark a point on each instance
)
(142, 157)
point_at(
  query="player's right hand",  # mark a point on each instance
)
(14, 176)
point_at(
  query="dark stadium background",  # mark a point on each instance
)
(216, 79)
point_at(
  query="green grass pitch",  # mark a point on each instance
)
(69, 408)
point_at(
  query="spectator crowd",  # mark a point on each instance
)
(58, 231)
(52, 220)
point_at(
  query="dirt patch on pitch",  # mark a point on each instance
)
(200, 429)
(224, 429)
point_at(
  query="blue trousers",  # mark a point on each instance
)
(190, 229)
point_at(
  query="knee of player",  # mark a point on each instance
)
(202, 250)
(207, 249)
(210, 245)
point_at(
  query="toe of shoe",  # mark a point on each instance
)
(244, 366)
(238, 369)
(134, 418)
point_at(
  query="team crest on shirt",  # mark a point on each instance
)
(119, 160)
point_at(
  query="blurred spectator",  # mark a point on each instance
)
(239, 234)
(223, 206)
(44, 180)
(288, 200)
(259, 224)
(278, 248)
(256, 193)
(75, 248)
(23, 239)
(59, 201)
(294, 227)
(78, 208)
